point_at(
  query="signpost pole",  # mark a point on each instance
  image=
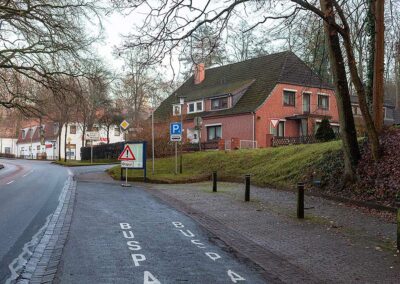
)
(176, 158)
(126, 177)
(91, 152)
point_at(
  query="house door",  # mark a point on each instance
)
(306, 103)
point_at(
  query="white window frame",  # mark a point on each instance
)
(173, 109)
(329, 101)
(195, 106)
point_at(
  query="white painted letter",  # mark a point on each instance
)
(131, 235)
(125, 226)
(178, 224)
(235, 277)
(150, 279)
(133, 245)
(198, 244)
(138, 257)
(189, 234)
(214, 256)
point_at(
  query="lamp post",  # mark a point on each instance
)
(181, 102)
(152, 134)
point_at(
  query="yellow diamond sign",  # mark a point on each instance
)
(124, 125)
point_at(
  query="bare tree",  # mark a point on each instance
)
(41, 40)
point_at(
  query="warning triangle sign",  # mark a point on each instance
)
(127, 154)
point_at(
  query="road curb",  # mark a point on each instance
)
(43, 263)
(275, 268)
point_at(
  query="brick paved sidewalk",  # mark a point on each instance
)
(335, 243)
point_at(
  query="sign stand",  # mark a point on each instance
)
(175, 133)
(133, 157)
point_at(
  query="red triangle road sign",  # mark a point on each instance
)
(127, 154)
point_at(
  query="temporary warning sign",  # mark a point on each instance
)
(127, 154)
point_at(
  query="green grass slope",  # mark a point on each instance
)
(278, 167)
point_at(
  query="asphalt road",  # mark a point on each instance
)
(29, 192)
(128, 236)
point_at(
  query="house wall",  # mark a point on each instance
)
(273, 108)
(9, 144)
(238, 126)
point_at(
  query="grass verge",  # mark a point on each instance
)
(280, 167)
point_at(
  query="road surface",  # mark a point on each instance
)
(116, 235)
(29, 192)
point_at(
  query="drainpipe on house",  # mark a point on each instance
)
(254, 125)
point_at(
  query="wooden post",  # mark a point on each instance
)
(300, 200)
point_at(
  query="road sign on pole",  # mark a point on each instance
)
(175, 132)
(127, 154)
(124, 125)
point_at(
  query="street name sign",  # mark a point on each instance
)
(124, 125)
(127, 154)
(92, 135)
(175, 132)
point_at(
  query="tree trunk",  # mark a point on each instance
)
(65, 142)
(379, 65)
(347, 128)
(371, 53)
(362, 100)
(397, 74)
(59, 142)
(108, 134)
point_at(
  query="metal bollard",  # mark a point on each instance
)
(247, 188)
(214, 179)
(300, 200)
(398, 220)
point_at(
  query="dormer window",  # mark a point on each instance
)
(219, 103)
(176, 110)
(195, 107)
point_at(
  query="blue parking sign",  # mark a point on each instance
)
(175, 128)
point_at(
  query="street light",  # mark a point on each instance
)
(181, 102)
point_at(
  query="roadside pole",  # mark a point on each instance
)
(176, 158)
(152, 137)
(91, 152)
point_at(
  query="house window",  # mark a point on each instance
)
(117, 131)
(176, 110)
(23, 134)
(279, 130)
(214, 132)
(95, 128)
(72, 129)
(38, 147)
(289, 98)
(55, 126)
(7, 150)
(195, 106)
(219, 103)
(323, 102)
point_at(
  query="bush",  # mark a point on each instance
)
(325, 131)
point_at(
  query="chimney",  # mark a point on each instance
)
(199, 73)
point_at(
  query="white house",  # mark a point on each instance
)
(32, 144)
(8, 145)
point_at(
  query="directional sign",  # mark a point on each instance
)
(124, 125)
(127, 154)
(92, 135)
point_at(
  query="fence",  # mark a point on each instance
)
(306, 139)
(248, 144)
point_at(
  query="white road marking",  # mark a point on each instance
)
(10, 182)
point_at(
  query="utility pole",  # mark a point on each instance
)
(152, 134)
(181, 102)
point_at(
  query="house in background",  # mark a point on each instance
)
(35, 141)
(250, 102)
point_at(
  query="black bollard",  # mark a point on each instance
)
(300, 200)
(214, 179)
(398, 220)
(247, 188)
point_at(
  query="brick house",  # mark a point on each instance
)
(250, 102)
